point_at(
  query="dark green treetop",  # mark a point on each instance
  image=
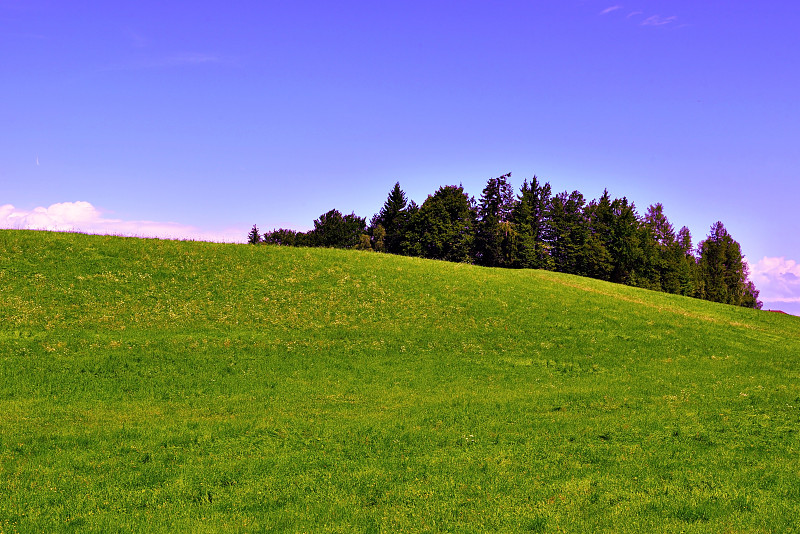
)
(254, 237)
(444, 226)
(333, 229)
(495, 234)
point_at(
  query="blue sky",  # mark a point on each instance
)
(200, 119)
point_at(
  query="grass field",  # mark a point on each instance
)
(151, 385)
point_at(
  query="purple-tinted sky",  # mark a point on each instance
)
(212, 116)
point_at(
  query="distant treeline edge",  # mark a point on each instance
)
(604, 239)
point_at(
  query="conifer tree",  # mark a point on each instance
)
(494, 235)
(723, 273)
(661, 257)
(600, 218)
(569, 232)
(688, 271)
(393, 217)
(624, 242)
(530, 218)
(254, 238)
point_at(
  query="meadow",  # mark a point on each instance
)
(150, 385)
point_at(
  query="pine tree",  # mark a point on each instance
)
(624, 242)
(663, 259)
(688, 271)
(254, 238)
(600, 218)
(569, 233)
(393, 217)
(494, 233)
(660, 227)
(722, 270)
(531, 223)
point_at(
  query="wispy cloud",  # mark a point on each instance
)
(644, 19)
(778, 279)
(83, 217)
(610, 9)
(658, 20)
(191, 59)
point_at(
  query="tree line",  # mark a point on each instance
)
(603, 238)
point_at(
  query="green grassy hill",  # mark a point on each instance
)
(151, 385)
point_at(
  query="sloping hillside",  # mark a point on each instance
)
(154, 385)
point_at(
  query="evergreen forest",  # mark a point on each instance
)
(605, 238)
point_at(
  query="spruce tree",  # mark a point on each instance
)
(688, 271)
(722, 270)
(569, 233)
(600, 218)
(624, 242)
(254, 238)
(530, 218)
(495, 232)
(393, 217)
(662, 257)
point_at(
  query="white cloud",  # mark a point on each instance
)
(778, 279)
(658, 20)
(83, 217)
(608, 10)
